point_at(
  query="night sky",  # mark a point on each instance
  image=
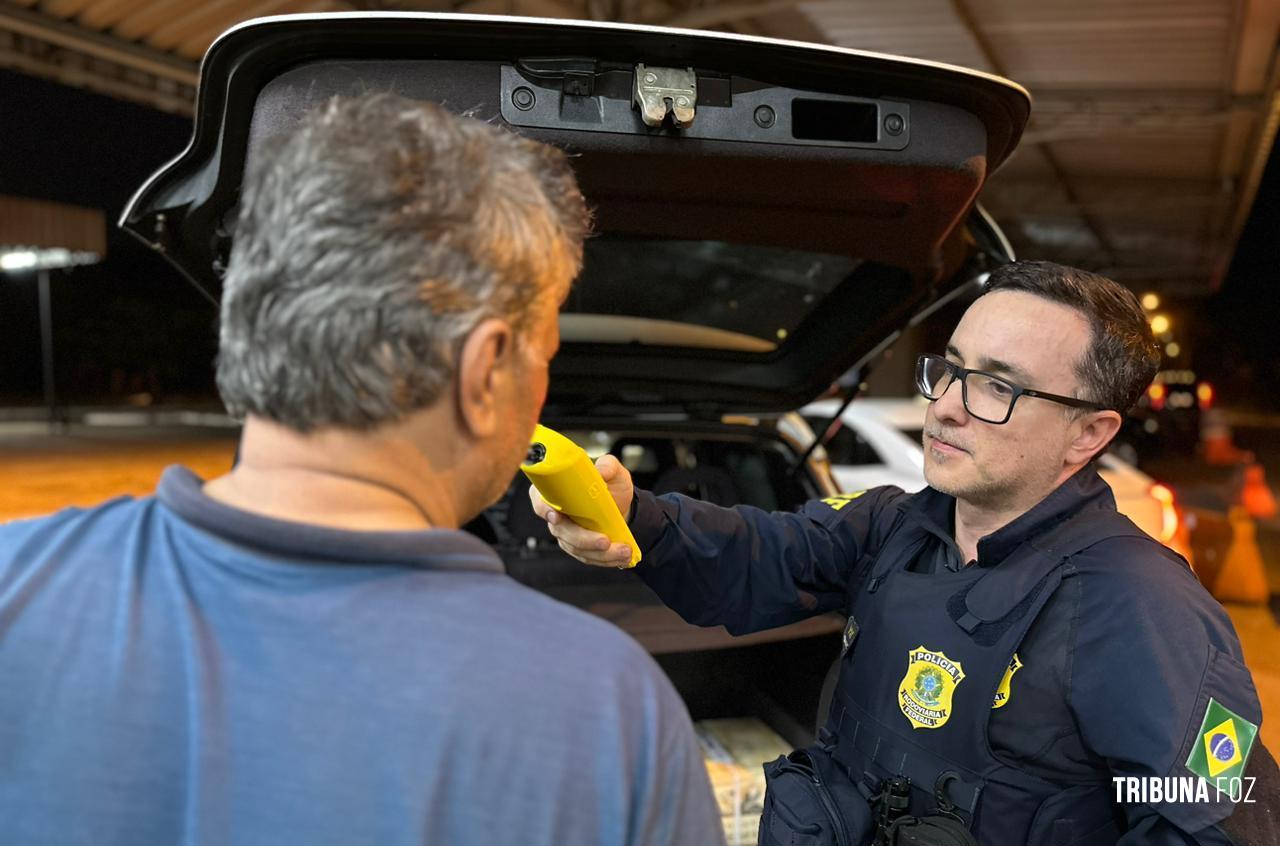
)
(131, 324)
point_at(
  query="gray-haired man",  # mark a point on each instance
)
(307, 650)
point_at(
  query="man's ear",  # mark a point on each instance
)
(483, 362)
(1097, 430)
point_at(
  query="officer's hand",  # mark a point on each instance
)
(583, 544)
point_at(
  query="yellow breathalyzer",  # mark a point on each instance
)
(570, 483)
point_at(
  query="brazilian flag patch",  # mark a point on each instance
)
(841, 500)
(1223, 748)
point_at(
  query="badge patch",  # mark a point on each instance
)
(841, 500)
(1002, 692)
(924, 696)
(1226, 739)
(850, 635)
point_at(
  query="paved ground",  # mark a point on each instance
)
(40, 473)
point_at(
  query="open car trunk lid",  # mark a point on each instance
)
(814, 201)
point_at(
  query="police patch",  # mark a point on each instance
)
(1226, 739)
(924, 695)
(1003, 691)
(841, 500)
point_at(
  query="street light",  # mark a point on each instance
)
(15, 258)
(39, 236)
(1150, 302)
(1159, 324)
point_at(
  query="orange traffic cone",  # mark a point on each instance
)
(1255, 496)
(1216, 445)
(1218, 449)
(1242, 577)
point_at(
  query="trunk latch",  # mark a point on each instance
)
(663, 90)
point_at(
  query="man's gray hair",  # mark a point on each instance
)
(371, 241)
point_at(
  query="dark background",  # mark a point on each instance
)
(131, 326)
(128, 325)
(1238, 345)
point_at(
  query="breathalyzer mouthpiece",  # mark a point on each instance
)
(537, 452)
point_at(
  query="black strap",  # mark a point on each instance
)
(867, 563)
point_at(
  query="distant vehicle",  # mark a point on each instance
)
(1167, 418)
(872, 445)
(878, 442)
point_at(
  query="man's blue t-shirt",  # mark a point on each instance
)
(177, 671)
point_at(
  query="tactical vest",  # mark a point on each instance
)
(928, 656)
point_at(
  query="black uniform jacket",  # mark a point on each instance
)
(1115, 672)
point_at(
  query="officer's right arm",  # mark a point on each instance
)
(742, 567)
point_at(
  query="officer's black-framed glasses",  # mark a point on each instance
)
(986, 396)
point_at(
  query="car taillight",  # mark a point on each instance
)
(1168, 513)
(1204, 393)
(1156, 394)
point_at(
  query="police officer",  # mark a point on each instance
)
(1021, 663)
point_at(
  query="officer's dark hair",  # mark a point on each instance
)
(1122, 357)
(371, 240)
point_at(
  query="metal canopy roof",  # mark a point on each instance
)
(1152, 123)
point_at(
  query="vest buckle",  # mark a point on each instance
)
(888, 804)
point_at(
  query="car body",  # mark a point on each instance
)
(880, 443)
(867, 447)
(810, 204)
